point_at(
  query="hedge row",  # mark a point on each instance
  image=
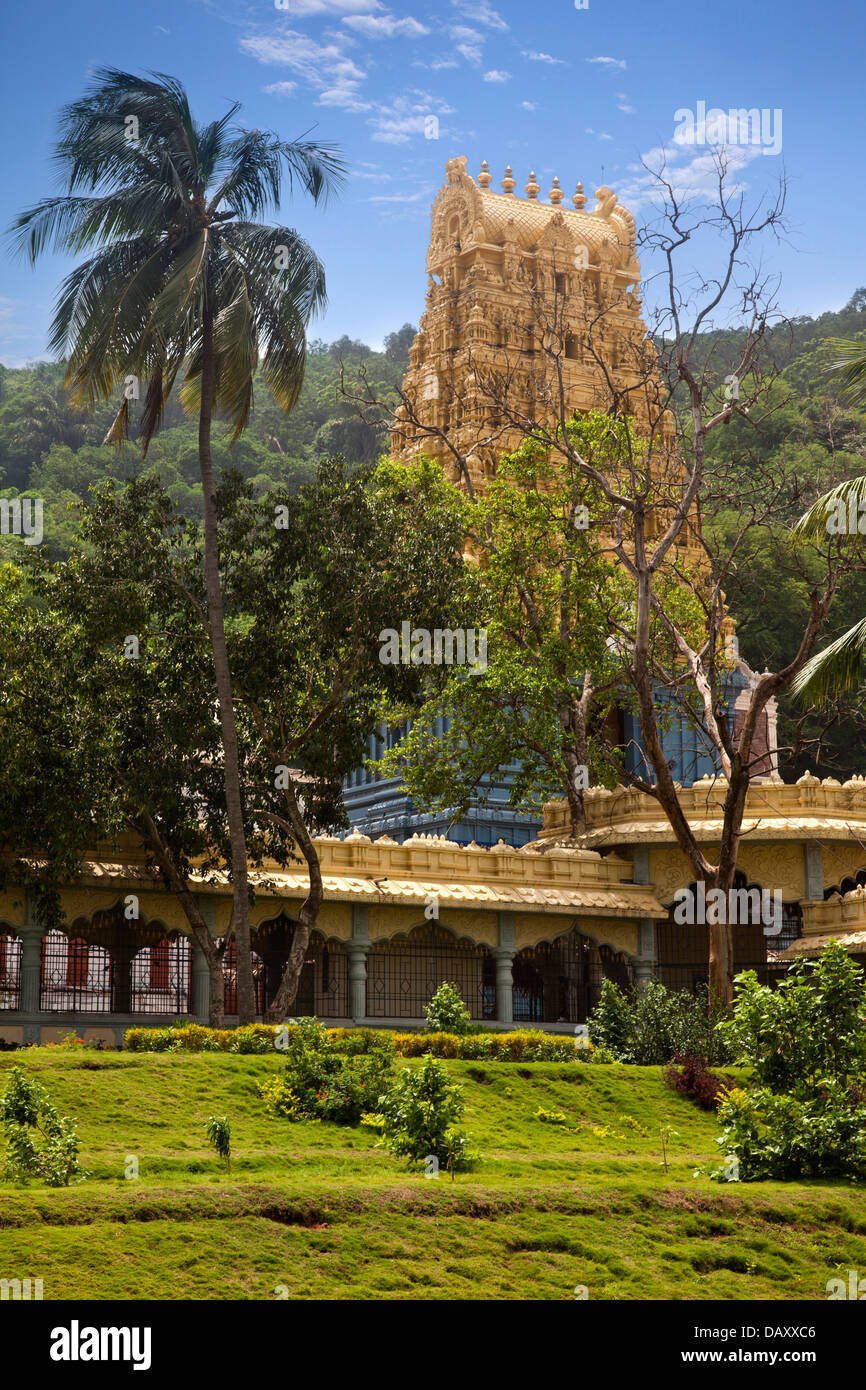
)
(526, 1045)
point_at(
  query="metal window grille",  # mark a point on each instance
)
(162, 976)
(560, 981)
(323, 988)
(108, 965)
(404, 973)
(682, 950)
(75, 976)
(230, 973)
(10, 971)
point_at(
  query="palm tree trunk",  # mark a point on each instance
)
(231, 773)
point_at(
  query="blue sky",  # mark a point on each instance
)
(585, 94)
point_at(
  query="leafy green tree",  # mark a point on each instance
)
(446, 1012)
(183, 281)
(110, 722)
(313, 579)
(557, 614)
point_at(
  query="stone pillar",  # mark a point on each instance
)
(357, 974)
(356, 950)
(640, 863)
(644, 963)
(503, 956)
(814, 871)
(31, 966)
(200, 1001)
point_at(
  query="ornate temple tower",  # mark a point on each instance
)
(530, 314)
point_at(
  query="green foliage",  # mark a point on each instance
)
(554, 607)
(772, 1135)
(421, 1110)
(446, 1012)
(324, 1081)
(39, 1142)
(654, 1025)
(526, 1045)
(810, 1029)
(219, 1133)
(806, 1044)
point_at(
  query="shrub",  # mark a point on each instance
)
(39, 1142)
(655, 1024)
(420, 1111)
(694, 1081)
(520, 1045)
(811, 1027)
(446, 1012)
(611, 1023)
(525, 1046)
(324, 1082)
(219, 1132)
(806, 1043)
(786, 1137)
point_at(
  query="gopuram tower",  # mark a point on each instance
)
(530, 312)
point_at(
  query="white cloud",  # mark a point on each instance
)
(281, 89)
(470, 44)
(481, 12)
(609, 62)
(405, 117)
(624, 105)
(528, 105)
(422, 193)
(497, 75)
(534, 57)
(385, 26)
(333, 8)
(322, 66)
(690, 178)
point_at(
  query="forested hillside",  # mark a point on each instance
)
(53, 452)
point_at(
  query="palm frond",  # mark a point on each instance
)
(849, 369)
(835, 670)
(848, 497)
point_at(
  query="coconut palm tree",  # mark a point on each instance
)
(183, 281)
(839, 667)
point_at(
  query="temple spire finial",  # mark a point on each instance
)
(556, 194)
(485, 178)
(579, 197)
(508, 183)
(532, 188)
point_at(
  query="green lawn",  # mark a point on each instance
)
(316, 1211)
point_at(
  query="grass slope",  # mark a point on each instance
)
(316, 1211)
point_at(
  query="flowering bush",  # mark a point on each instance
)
(321, 1082)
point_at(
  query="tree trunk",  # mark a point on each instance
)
(150, 834)
(721, 982)
(307, 917)
(228, 725)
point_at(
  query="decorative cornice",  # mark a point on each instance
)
(358, 869)
(775, 810)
